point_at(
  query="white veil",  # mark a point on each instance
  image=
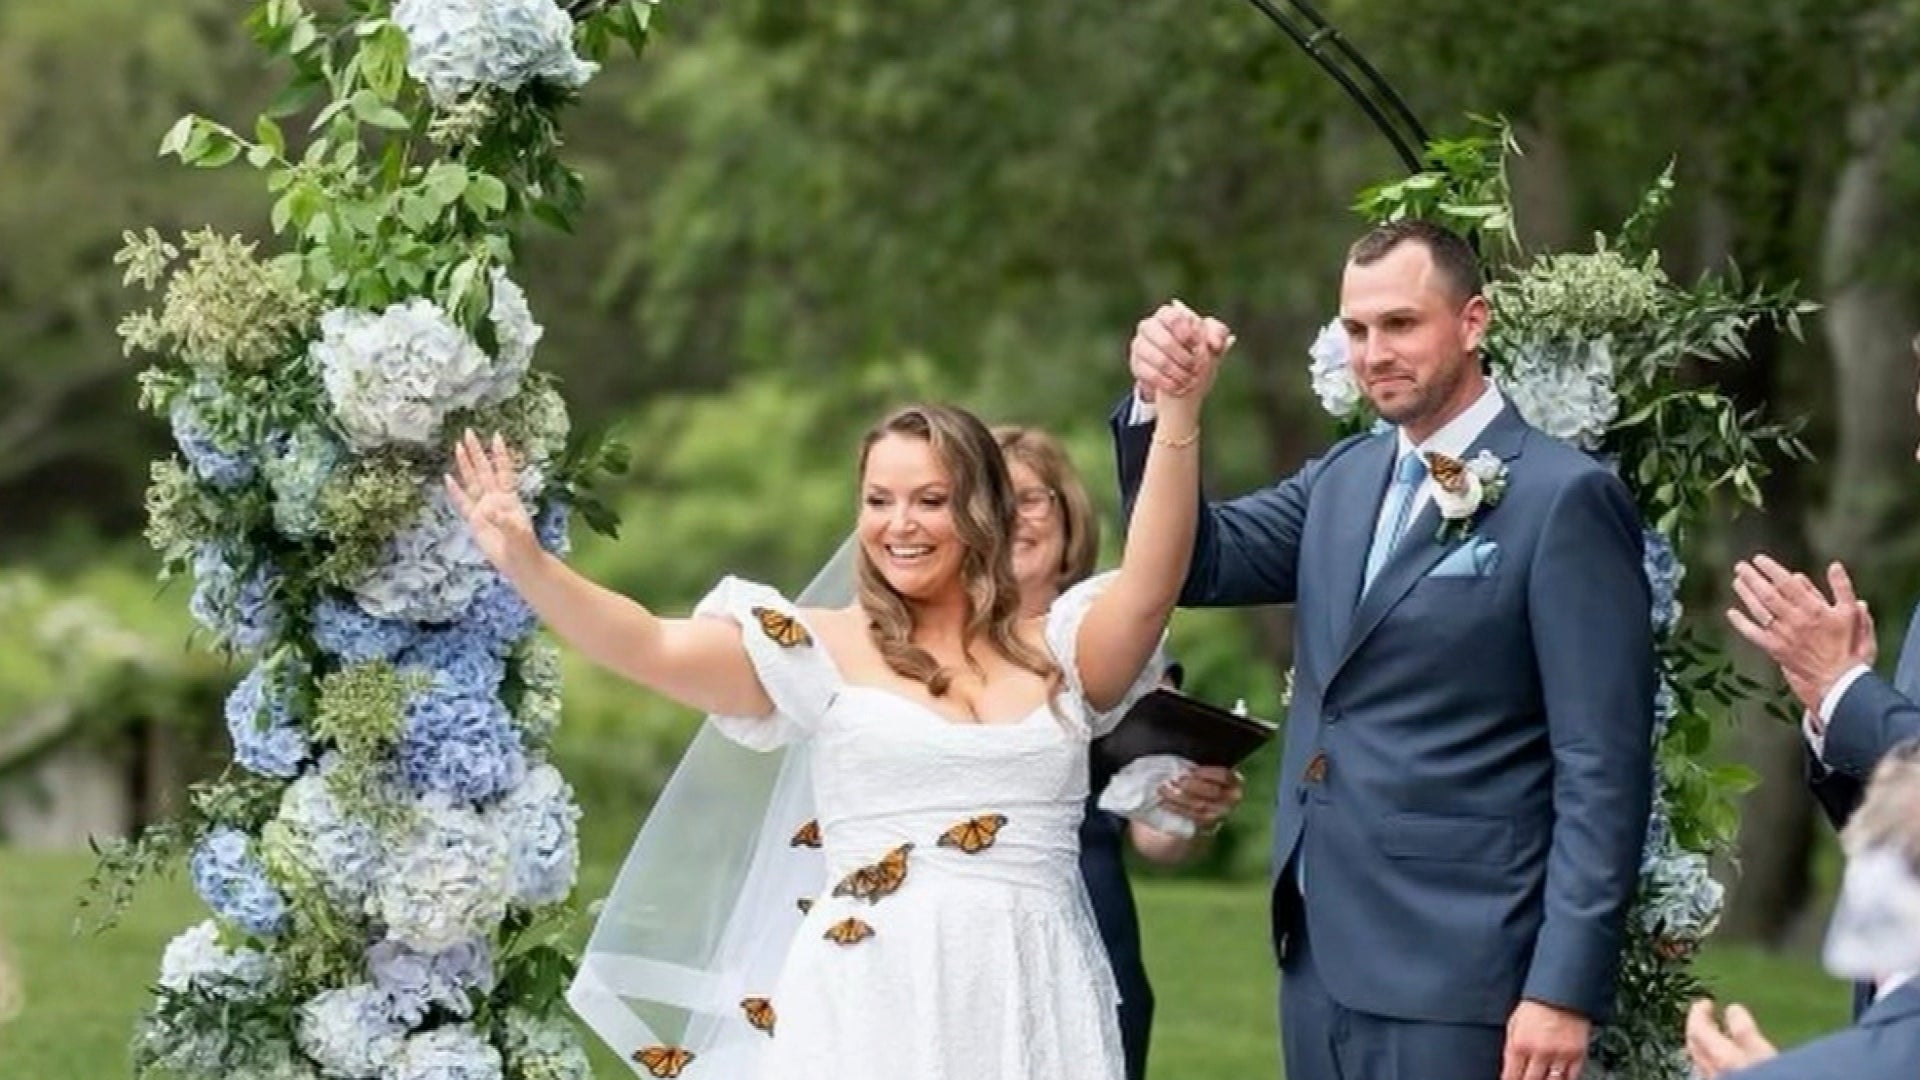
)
(703, 911)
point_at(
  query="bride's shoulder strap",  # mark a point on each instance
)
(789, 657)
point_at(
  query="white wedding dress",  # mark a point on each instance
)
(957, 965)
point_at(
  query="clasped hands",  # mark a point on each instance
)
(1176, 352)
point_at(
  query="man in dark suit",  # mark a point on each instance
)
(1876, 931)
(1825, 649)
(1465, 783)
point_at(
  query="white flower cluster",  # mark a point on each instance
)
(447, 882)
(342, 853)
(449, 1053)
(431, 570)
(350, 1032)
(1683, 901)
(394, 377)
(458, 46)
(539, 818)
(1333, 379)
(196, 962)
(1565, 390)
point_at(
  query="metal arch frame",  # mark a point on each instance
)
(1360, 79)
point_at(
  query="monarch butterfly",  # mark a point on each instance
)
(785, 630)
(883, 878)
(804, 904)
(849, 932)
(974, 835)
(807, 835)
(759, 1013)
(1449, 473)
(664, 1061)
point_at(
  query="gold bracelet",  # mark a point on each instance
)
(1175, 444)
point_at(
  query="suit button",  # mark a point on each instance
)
(1317, 769)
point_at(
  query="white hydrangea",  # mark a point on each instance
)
(342, 852)
(449, 1053)
(1566, 391)
(350, 1032)
(431, 570)
(516, 334)
(458, 46)
(538, 819)
(394, 377)
(196, 961)
(1333, 380)
(447, 882)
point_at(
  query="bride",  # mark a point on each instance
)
(949, 734)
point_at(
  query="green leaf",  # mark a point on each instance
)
(385, 61)
(270, 136)
(304, 35)
(486, 194)
(445, 183)
(176, 138)
(368, 108)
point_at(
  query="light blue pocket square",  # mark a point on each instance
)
(1476, 558)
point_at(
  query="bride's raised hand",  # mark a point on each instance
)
(485, 490)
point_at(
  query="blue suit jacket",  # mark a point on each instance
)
(1468, 760)
(1884, 1045)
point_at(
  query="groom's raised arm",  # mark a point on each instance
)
(1593, 642)
(1870, 719)
(1246, 551)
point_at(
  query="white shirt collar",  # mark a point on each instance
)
(1893, 982)
(1460, 432)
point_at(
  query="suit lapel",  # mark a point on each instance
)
(1352, 533)
(1899, 1005)
(1418, 550)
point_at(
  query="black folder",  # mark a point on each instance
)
(1169, 722)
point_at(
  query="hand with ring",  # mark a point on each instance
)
(1814, 640)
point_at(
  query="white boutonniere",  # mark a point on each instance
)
(1462, 489)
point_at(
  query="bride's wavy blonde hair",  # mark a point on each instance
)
(983, 511)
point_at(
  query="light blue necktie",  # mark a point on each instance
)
(1407, 475)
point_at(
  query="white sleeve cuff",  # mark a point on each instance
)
(1816, 736)
(1143, 412)
(1817, 733)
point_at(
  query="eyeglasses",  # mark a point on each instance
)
(1035, 502)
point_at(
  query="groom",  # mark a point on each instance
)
(1467, 770)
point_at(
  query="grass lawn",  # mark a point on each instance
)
(1206, 947)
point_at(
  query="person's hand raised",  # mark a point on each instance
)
(484, 488)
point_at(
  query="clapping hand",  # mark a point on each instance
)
(485, 491)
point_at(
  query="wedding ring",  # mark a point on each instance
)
(1765, 623)
(1555, 1072)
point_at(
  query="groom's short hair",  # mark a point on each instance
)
(1452, 255)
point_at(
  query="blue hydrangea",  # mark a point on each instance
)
(234, 885)
(312, 831)
(344, 631)
(552, 526)
(462, 656)
(539, 819)
(351, 1031)
(260, 718)
(242, 611)
(499, 615)
(1666, 706)
(416, 981)
(1664, 573)
(431, 569)
(225, 464)
(460, 744)
(297, 466)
